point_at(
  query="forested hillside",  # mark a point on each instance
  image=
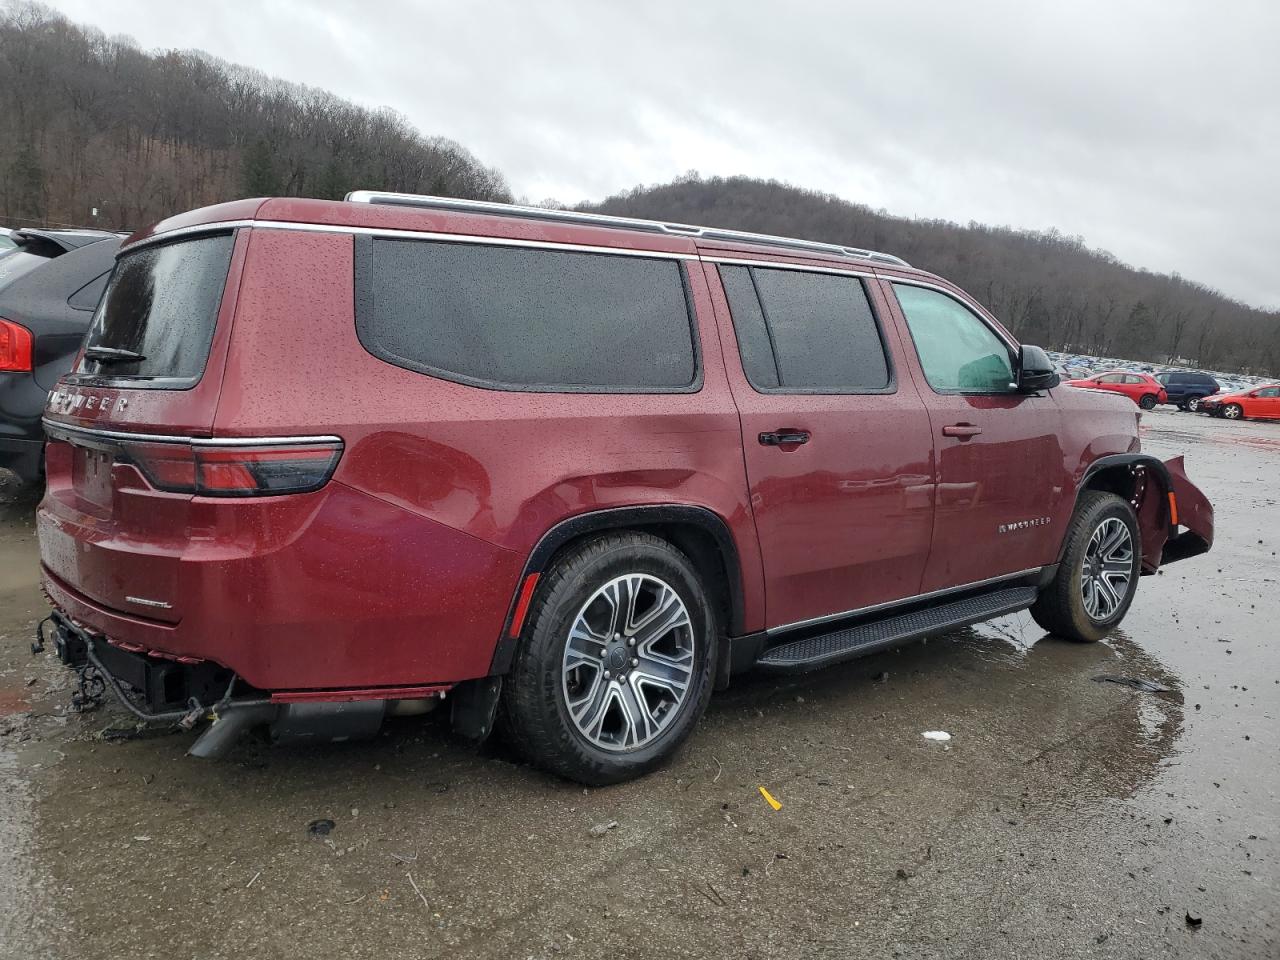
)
(89, 121)
(1048, 288)
(93, 121)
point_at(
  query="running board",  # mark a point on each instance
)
(818, 651)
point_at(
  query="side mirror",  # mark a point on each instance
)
(1035, 370)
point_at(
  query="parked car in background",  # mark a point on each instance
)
(1255, 403)
(1142, 388)
(1185, 389)
(6, 240)
(321, 462)
(50, 284)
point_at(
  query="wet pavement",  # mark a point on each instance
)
(1066, 817)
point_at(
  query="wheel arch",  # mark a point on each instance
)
(1128, 475)
(703, 535)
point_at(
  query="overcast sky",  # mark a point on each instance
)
(1150, 128)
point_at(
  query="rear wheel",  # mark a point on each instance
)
(615, 661)
(1193, 405)
(1148, 401)
(1098, 575)
(1233, 411)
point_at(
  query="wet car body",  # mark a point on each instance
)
(233, 521)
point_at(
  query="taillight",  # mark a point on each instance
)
(211, 469)
(15, 347)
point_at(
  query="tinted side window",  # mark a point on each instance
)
(516, 318)
(805, 331)
(957, 350)
(87, 297)
(1112, 378)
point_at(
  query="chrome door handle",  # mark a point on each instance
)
(964, 431)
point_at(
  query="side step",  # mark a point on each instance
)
(819, 651)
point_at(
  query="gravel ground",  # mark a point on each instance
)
(1066, 817)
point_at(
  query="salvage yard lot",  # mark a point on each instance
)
(1066, 817)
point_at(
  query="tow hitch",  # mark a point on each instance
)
(158, 690)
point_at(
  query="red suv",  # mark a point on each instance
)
(323, 462)
(1142, 388)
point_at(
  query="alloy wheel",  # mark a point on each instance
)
(1231, 411)
(1106, 575)
(1193, 404)
(628, 662)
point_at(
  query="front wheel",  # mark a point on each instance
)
(614, 666)
(1098, 575)
(1233, 411)
(1148, 401)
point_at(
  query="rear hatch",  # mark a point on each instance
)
(117, 513)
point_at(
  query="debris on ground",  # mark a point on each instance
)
(1146, 686)
(320, 828)
(1193, 922)
(600, 829)
(940, 735)
(768, 798)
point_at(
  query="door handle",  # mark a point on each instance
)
(784, 438)
(964, 431)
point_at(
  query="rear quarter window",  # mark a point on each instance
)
(162, 304)
(515, 318)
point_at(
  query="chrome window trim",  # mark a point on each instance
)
(56, 426)
(777, 265)
(394, 233)
(859, 611)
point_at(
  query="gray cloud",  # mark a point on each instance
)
(1150, 128)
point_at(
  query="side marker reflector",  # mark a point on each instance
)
(1173, 509)
(522, 605)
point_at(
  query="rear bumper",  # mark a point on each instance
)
(330, 592)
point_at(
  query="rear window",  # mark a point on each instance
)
(513, 318)
(802, 332)
(161, 304)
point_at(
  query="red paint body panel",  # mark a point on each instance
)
(844, 520)
(399, 573)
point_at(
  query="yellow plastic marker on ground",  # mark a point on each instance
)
(769, 799)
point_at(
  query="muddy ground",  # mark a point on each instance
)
(1066, 817)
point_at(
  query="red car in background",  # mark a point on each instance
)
(1256, 403)
(1142, 388)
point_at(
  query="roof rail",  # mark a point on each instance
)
(625, 223)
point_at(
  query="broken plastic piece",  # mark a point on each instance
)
(940, 735)
(768, 797)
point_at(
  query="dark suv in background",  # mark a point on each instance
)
(50, 283)
(1186, 390)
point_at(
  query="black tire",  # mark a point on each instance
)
(1194, 404)
(536, 713)
(1183, 406)
(1148, 401)
(1233, 411)
(1060, 608)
